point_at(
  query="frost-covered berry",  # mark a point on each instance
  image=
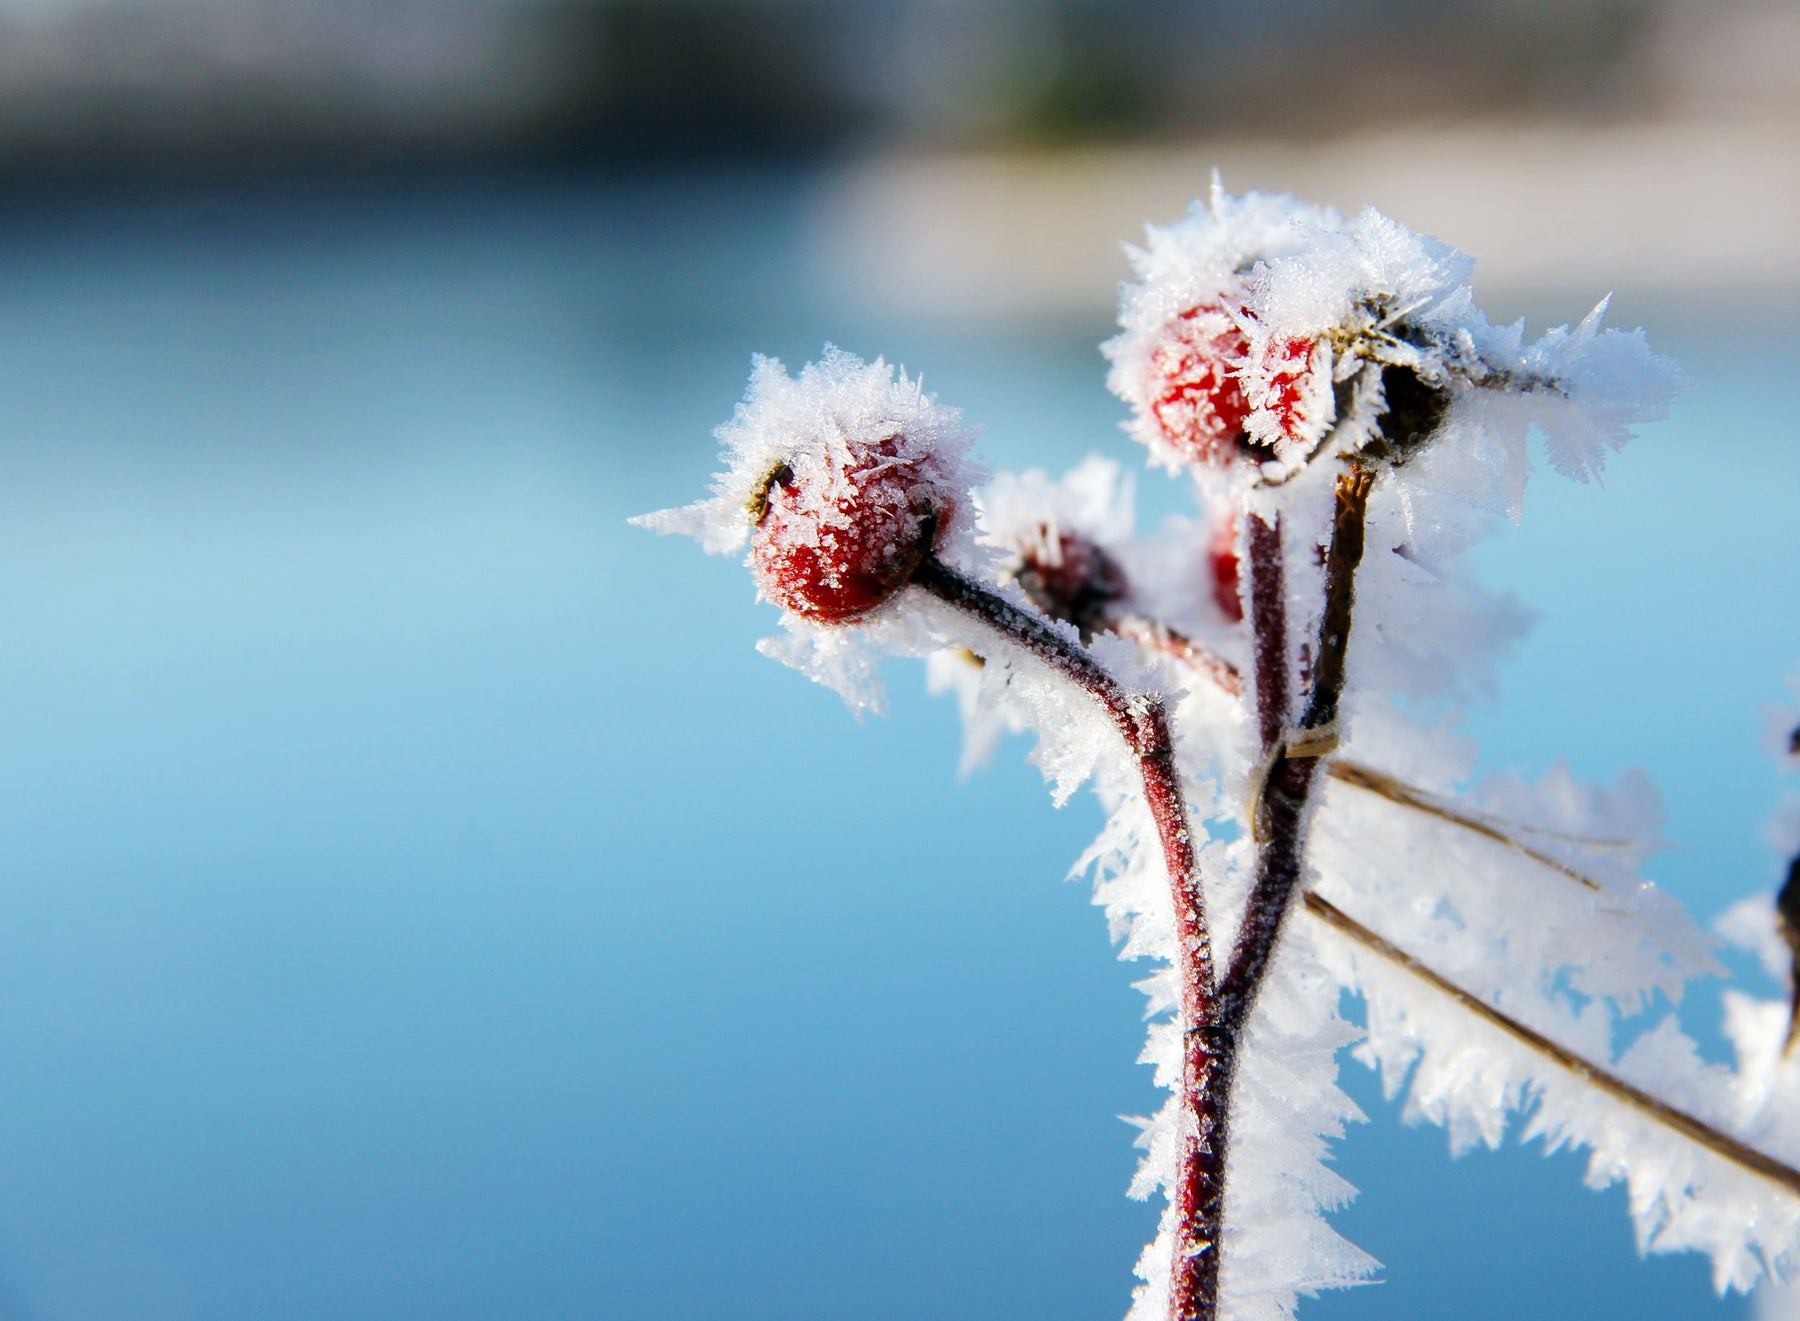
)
(833, 554)
(1288, 364)
(1054, 537)
(1195, 390)
(840, 481)
(1222, 560)
(1070, 577)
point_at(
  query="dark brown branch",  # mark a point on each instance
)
(1206, 1064)
(1280, 812)
(1341, 563)
(1723, 1145)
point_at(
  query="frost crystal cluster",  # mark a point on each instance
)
(1264, 697)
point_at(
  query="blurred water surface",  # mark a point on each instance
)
(418, 900)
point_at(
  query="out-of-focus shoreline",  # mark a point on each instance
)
(1694, 212)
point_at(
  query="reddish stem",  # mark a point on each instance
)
(1280, 812)
(1152, 635)
(1194, 1287)
(1268, 615)
(1199, 1194)
(1212, 1016)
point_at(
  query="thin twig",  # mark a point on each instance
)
(1206, 1063)
(1268, 614)
(1697, 1131)
(1154, 635)
(1341, 562)
(1396, 791)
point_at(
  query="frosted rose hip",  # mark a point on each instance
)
(1070, 577)
(1222, 560)
(1196, 392)
(838, 481)
(835, 555)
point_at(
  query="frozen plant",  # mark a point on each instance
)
(1263, 697)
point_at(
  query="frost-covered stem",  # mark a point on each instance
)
(1199, 1190)
(1209, 1066)
(1268, 614)
(1341, 562)
(1153, 635)
(1359, 776)
(1279, 814)
(1139, 718)
(1696, 1131)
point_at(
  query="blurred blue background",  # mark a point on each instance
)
(419, 900)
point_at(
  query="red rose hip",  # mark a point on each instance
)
(1197, 393)
(1196, 397)
(1222, 559)
(840, 482)
(832, 545)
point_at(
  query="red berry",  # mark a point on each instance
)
(833, 544)
(1196, 397)
(1291, 361)
(1222, 556)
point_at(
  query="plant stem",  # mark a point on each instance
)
(1154, 635)
(1702, 1134)
(1342, 559)
(1268, 612)
(1397, 791)
(1199, 1192)
(1212, 1016)
(1279, 812)
(1279, 815)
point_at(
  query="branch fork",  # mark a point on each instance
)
(1213, 1009)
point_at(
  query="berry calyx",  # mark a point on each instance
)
(1412, 410)
(838, 541)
